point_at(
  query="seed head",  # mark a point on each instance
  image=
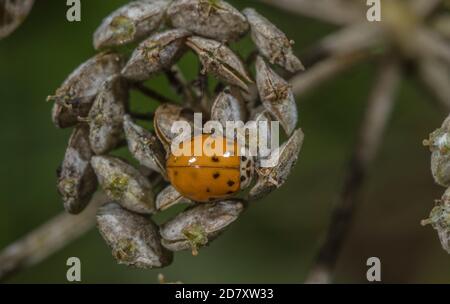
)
(96, 100)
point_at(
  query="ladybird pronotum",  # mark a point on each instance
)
(208, 177)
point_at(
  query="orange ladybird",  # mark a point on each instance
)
(209, 176)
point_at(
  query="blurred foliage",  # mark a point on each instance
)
(275, 240)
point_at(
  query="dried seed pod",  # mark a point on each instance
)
(75, 96)
(227, 107)
(106, 115)
(439, 144)
(440, 220)
(158, 52)
(125, 184)
(221, 61)
(130, 23)
(271, 42)
(271, 178)
(165, 116)
(209, 18)
(277, 96)
(144, 146)
(133, 238)
(76, 178)
(263, 117)
(12, 14)
(446, 123)
(169, 197)
(199, 225)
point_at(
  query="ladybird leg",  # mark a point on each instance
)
(272, 178)
(169, 197)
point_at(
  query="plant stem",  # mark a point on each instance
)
(380, 104)
(336, 12)
(48, 239)
(179, 84)
(436, 78)
(152, 94)
(325, 70)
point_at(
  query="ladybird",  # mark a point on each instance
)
(209, 177)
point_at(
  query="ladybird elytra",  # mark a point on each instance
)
(207, 176)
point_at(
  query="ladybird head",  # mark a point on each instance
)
(246, 170)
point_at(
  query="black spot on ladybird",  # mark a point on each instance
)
(215, 159)
(216, 175)
(208, 190)
(175, 173)
(230, 192)
(230, 183)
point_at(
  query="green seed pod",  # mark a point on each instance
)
(158, 52)
(133, 238)
(271, 42)
(75, 96)
(440, 220)
(76, 178)
(220, 61)
(106, 115)
(199, 225)
(277, 96)
(209, 18)
(124, 184)
(130, 23)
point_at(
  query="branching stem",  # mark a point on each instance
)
(380, 104)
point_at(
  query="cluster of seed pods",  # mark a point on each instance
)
(439, 144)
(94, 101)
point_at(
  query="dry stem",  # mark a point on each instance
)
(47, 239)
(436, 78)
(324, 70)
(378, 111)
(336, 12)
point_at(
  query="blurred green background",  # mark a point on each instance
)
(276, 239)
